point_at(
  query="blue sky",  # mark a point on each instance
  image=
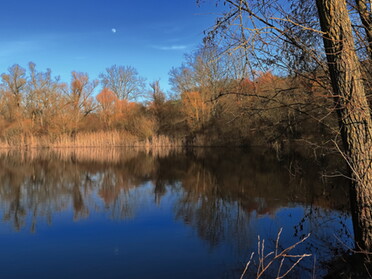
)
(67, 35)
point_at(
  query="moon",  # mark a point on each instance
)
(113, 30)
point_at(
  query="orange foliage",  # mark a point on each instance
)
(77, 85)
(121, 106)
(79, 80)
(106, 98)
(192, 100)
(265, 77)
(108, 103)
(195, 108)
(246, 85)
(125, 108)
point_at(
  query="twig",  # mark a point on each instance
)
(262, 267)
(246, 266)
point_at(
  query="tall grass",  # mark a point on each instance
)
(88, 139)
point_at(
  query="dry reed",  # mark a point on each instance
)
(265, 261)
(88, 139)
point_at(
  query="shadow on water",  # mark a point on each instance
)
(164, 214)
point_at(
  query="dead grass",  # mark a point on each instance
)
(90, 139)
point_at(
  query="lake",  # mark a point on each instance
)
(119, 213)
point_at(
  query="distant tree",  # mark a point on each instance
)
(203, 69)
(195, 109)
(181, 79)
(44, 98)
(124, 81)
(156, 105)
(157, 94)
(79, 98)
(14, 84)
(199, 81)
(135, 119)
(108, 103)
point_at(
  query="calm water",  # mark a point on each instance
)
(129, 214)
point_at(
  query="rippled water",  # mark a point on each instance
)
(116, 213)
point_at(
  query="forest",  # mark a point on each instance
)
(215, 102)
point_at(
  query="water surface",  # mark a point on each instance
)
(113, 213)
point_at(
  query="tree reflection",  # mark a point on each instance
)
(217, 193)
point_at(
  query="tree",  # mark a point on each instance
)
(168, 114)
(353, 112)
(266, 31)
(199, 81)
(157, 94)
(44, 98)
(15, 82)
(195, 109)
(124, 81)
(79, 98)
(107, 101)
(156, 105)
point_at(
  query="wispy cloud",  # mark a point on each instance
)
(36, 42)
(167, 28)
(171, 47)
(17, 47)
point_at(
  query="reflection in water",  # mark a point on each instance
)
(226, 197)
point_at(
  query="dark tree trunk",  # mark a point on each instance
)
(353, 112)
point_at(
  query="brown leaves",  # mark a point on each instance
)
(106, 98)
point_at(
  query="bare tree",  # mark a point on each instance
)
(264, 28)
(44, 97)
(79, 98)
(157, 94)
(124, 81)
(203, 69)
(14, 83)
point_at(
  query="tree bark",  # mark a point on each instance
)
(353, 113)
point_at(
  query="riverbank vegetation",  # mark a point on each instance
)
(217, 102)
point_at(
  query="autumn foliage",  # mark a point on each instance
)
(209, 109)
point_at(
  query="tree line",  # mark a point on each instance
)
(216, 101)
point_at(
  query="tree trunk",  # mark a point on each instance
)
(353, 113)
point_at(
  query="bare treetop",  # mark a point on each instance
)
(124, 81)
